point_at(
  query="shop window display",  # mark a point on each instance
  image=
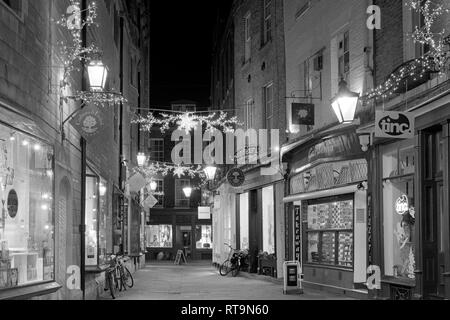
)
(268, 220)
(330, 232)
(96, 211)
(27, 210)
(399, 210)
(204, 236)
(159, 236)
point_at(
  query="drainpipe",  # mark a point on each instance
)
(121, 157)
(83, 170)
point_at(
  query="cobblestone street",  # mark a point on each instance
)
(201, 281)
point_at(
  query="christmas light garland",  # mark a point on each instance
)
(436, 60)
(188, 121)
(98, 98)
(164, 169)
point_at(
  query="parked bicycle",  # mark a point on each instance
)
(236, 260)
(118, 277)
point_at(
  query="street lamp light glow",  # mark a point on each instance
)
(187, 192)
(98, 74)
(153, 185)
(210, 173)
(141, 159)
(345, 103)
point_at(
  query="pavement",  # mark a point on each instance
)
(201, 281)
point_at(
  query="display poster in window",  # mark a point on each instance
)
(394, 125)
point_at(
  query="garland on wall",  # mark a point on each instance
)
(187, 122)
(436, 60)
(74, 52)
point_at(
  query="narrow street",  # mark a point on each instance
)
(201, 281)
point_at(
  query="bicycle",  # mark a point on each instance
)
(233, 262)
(118, 277)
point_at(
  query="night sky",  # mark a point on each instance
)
(181, 48)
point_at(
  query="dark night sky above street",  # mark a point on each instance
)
(181, 35)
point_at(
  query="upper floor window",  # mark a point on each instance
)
(184, 107)
(181, 201)
(156, 149)
(268, 103)
(249, 109)
(248, 37)
(267, 35)
(344, 55)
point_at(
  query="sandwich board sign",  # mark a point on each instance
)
(394, 125)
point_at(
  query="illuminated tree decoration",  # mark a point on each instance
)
(435, 60)
(188, 122)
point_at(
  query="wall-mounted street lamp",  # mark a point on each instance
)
(187, 192)
(153, 186)
(141, 159)
(345, 103)
(98, 73)
(210, 173)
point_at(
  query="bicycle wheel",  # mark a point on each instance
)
(118, 278)
(111, 284)
(235, 270)
(225, 268)
(127, 278)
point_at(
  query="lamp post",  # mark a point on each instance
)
(98, 74)
(345, 103)
(141, 159)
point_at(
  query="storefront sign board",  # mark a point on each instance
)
(204, 213)
(395, 125)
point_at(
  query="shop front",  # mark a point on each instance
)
(27, 220)
(412, 208)
(326, 215)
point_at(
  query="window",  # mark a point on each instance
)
(419, 22)
(248, 37)
(184, 107)
(268, 103)
(249, 109)
(159, 193)
(96, 211)
(203, 235)
(14, 5)
(159, 236)
(398, 163)
(268, 220)
(156, 150)
(267, 35)
(27, 214)
(181, 201)
(344, 56)
(244, 221)
(329, 231)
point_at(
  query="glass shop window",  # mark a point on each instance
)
(268, 220)
(398, 162)
(244, 221)
(96, 214)
(330, 230)
(27, 210)
(204, 237)
(159, 236)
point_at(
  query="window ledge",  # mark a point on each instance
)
(29, 292)
(96, 269)
(399, 281)
(323, 266)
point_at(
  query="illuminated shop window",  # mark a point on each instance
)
(268, 220)
(204, 236)
(330, 232)
(96, 212)
(159, 236)
(27, 210)
(399, 209)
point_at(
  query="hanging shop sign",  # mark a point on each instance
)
(236, 177)
(89, 122)
(402, 205)
(136, 183)
(396, 125)
(149, 203)
(204, 213)
(303, 114)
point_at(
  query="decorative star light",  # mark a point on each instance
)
(179, 172)
(187, 123)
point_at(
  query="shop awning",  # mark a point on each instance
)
(321, 194)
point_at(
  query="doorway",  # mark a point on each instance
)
(433, 210)
(184, 240)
